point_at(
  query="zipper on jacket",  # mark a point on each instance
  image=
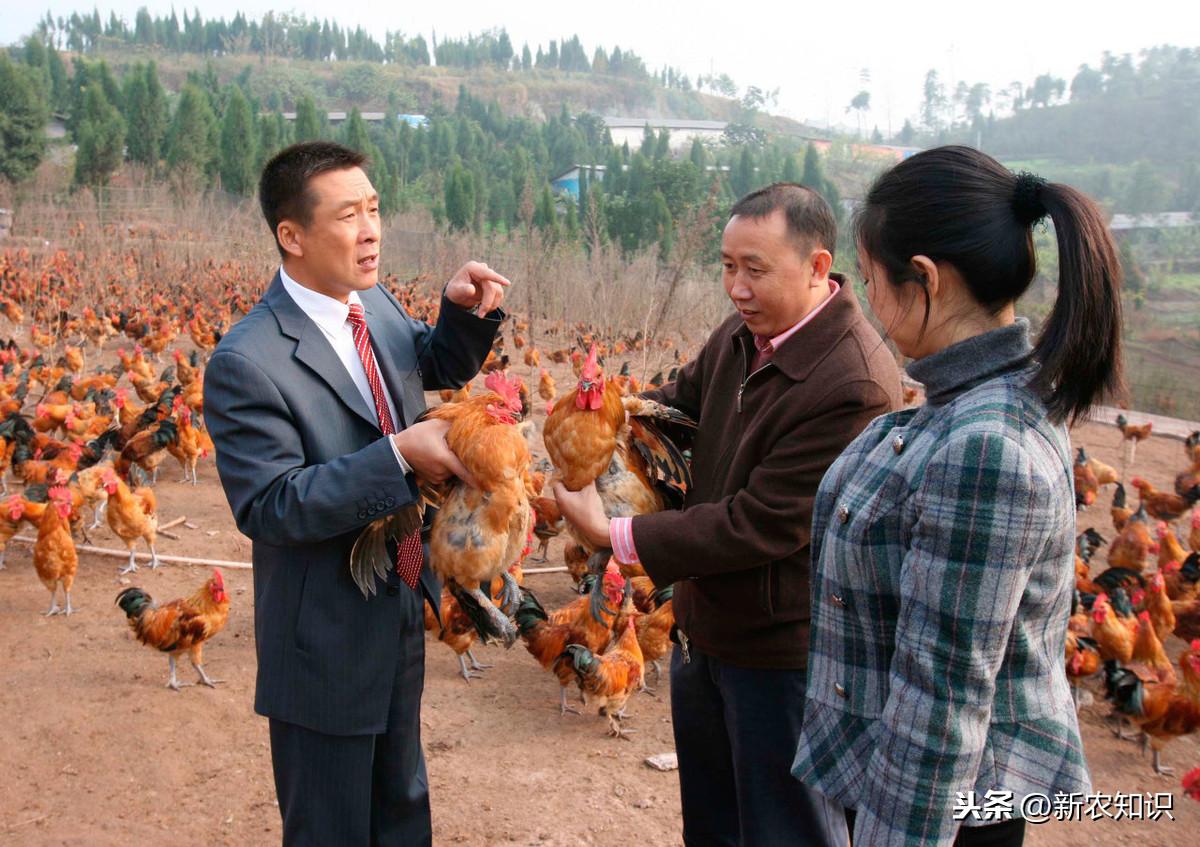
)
(745, 367)
(683, 646)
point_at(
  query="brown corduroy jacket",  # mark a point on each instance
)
(739, 550)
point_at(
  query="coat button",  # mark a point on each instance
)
(380, 506)
(392, 591)
(898, 444)
(362, 514)
(837, 601)
(843, 513)
(839, 690)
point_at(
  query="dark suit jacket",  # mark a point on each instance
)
(305, 467)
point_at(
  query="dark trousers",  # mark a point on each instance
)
(736, 732)
(368, 790)
(1010, 833)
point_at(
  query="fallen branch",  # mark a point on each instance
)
(124, 554)
(170, 524)
(220, 563)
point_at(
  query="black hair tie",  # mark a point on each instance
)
(1027, 198)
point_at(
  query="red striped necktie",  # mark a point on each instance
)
(408, 556)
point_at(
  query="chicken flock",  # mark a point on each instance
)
(79, 438)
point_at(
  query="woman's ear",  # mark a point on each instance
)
(927, 270)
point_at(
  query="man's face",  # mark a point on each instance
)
(339, 248)
(765, 275)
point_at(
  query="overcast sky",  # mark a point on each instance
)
(815, 53)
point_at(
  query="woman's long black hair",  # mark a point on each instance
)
(957, 205)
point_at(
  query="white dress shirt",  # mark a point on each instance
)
(332, 318)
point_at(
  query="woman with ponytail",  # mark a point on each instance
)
(943, 538)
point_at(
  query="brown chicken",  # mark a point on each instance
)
(1132, 436)
(54, 556)
(546, 636)
(1162, 711)
(1169, 548)
(1083, 660)
(1164, 505)
(181, 626)
(1087, 487)
(1148, 659)
(1182, 579)
(548, 523)
(637, 469)
(17, 510)
(477, 532)
(131, 515)
(147, 449)
(191, 445)
(1134, 545)
(607, 680)
(653, 629)
(1194, 533)
(546, 387)
(1113, 638)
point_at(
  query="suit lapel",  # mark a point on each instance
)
(315, 352)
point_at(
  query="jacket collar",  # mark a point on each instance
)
(315, 351)
(950, 372)
(797, 358)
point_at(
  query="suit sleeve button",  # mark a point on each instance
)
(389, 502)
(362, 514)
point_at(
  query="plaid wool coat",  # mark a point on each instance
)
(943, 544)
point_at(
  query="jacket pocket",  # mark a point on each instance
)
(300, 635)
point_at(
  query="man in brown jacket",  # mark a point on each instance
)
(779, 390)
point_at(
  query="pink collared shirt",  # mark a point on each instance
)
(620, 530)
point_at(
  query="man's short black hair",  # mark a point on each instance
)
(810, 221)
(283, 187)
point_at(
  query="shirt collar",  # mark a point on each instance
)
(950, 372)
(327, 313)
(770, 345)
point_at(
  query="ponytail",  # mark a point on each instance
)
(1079, 350)
(957, 205)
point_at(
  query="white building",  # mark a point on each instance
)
(632, 130)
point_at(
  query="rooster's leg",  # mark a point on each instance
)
(563, 708)
(132, 566)
(542, 551)
(466, 673)
(98, 514)
(154, 476)
(153, 557)
(172, 682)
(205, 679)
(54, 609)
(68, 610)
(3, 550)
(510, 593)
(616, 730)
(499, 621)
(475, 663)
(1161, 769)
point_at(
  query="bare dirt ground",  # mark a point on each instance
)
(98, 752)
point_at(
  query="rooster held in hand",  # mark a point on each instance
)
(477, 532)
(637, 469)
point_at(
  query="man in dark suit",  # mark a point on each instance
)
(311, 400)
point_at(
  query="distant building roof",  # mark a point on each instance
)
(665, 123)
(373, 117)
(1159, 220)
